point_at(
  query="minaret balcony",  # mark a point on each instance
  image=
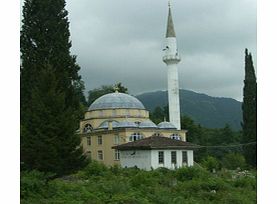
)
(171, 59)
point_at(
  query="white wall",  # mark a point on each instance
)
(139, 158)
(145, 159)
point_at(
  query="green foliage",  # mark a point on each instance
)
(189, 173)
(249, 110)
(33, 183)
(234, 161)
(95, 168)
(50, 91)
(159, 114)
(99, 184)
(105, 89)
(210, 163)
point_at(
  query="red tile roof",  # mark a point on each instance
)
(156, 142)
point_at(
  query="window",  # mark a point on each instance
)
(88, 141)
(135, 136)
(184, 157)
(116, 154)
(88, 128)
(116, 139)
(100, 155)
(137, 122)
(101, 114)
(161, 157)
(175, 136)
(157, 134)
(173, 157)
(127, 112)
(99, 140)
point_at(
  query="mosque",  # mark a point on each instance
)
(116, 128)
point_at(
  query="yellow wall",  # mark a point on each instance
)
(96, 117)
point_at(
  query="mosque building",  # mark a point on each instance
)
(117, 124)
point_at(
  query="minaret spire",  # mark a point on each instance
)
(170, 32)
(172, 58)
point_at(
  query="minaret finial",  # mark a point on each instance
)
(169, 3)
(116, 88)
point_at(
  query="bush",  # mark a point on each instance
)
(189, 173)
(210, 163)
(95, 168)
(234, 161)
(33, 183)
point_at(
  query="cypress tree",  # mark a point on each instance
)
(50, 90)
(249, 109)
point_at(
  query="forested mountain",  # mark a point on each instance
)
(211, 112)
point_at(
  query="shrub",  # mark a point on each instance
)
(189, 173)
(95, 168)
(210, 163)
(234, 161)
(33, 183)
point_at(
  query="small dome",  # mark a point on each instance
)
(127, 124)
(147, 124)
(116, 100)
(166, 125)
(105, 125)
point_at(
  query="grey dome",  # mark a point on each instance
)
(105, 125)
(116, 100)
(125, 124)
(166, 125)
(147, 124)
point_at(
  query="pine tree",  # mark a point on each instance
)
(50, 90)
(249, 109)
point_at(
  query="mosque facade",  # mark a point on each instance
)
(117, 118)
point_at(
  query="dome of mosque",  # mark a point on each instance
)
(105, 125)
(147, 124)
(166, 125)
(127, 124)
(116, 100)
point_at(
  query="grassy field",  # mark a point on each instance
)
(100, 184)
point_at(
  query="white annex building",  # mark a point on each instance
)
(156, 151)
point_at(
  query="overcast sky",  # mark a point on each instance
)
(122, 41)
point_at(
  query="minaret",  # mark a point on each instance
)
(172, 58)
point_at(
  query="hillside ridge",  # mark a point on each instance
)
(208, 111)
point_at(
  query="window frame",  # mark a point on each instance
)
(173, 157)
(116, 139)
(116, 155)
(136, 135)
(161, 157)
(99, 140)
(89, 141)
(100, 153)
(185, 159)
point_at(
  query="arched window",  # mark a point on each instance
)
(175, 136)
(88, 128)
(157, 134)
(135, 136)
(137, 122)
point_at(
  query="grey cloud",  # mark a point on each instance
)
(123, 40)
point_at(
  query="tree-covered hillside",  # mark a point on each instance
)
(211, 112)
